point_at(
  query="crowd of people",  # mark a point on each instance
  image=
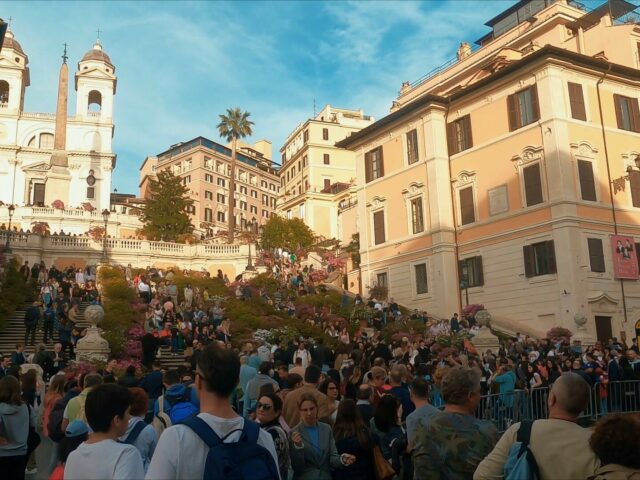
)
(353, 407)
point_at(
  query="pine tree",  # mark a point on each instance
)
(165, 214)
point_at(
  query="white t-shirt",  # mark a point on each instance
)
(102, 460)
(181, 454)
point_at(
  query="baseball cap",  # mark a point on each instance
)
(76, 429)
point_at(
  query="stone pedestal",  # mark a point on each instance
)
(582, 335)
(57, 187)
(92, 347)
(249, 274)
(485, 339)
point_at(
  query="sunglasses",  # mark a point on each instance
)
(263, 406)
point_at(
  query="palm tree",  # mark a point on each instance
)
(234, 125)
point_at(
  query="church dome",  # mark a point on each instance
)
(97, 54)
(12, 43)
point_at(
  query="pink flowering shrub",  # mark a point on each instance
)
(559, 335)
(318, 275)
(471, 310)
(88, 207)
(58, 204)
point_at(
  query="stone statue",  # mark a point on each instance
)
(92, 346)
(485, 339)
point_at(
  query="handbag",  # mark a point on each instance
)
(381, 467)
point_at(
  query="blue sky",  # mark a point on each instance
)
(181, 64)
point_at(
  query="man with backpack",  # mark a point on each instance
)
(179, 401)
(75, 409)
(217, 443)
(557, 447)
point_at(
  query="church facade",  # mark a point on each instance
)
(62, 159)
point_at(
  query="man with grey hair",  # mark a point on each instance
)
(451, 444)
(559, 445)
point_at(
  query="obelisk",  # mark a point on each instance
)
(58, 177)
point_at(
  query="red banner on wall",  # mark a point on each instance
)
(625, 257)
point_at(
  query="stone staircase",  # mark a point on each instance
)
(168, 361)
(14, 333)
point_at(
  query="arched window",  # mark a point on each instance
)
(46, 141)
(4, 92)
(32, 142)
(95, 101)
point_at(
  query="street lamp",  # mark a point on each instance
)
(7, 246)
(465, 280)
(105, 216)
(251, 227)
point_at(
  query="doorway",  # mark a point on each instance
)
(603, 329)
(38, 194)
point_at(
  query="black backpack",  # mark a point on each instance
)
(54, 426)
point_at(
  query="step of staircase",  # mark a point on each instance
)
(14, 332)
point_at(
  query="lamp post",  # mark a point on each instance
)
(105, 216)
(251, 226)
(465, 280)
(7, 246)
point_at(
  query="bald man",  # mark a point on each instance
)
(559, 444)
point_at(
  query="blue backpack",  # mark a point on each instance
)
(521, 464)
(182, 408)
(241, 460)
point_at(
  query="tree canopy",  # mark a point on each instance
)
(234, 125)
(291, 234)
(165, 214)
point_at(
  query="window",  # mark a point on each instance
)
(378, 227)
(208, 195)
(539, 259)
(301, 210)
(208, 215)
(209, 179)
(293, 171)
(243, 205)
(576, 101)
(263, 184)
(265, 213)
(523, 108)
(254, 194)
(220, 217)
(289, 216)
(596, 254)
(587, 184)
(186, 179)
(220, 198)
(532, 185)
(243, 190)
(46, 141)
(299, 165)
(91, 192)
(327, 183)
(417, 221)
(420, 272)
(467, 210)
(191, 209)
(459, 136)
(254, 209)
(265, 199)
(284, 157)
(325, 134)
(221, 182)
(382, 280)
(326, 159)
(474, 276)
(304, 161)
(305, 136)
(627, 114)
(282, 182)
(412, 146)
(634, 183)
(374, 165)
(207, 163)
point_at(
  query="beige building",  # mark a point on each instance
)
(508, 172)
(205, 166)
(316, 176)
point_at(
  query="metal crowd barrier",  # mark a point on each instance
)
(504, 409)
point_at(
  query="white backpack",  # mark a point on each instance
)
(161, 420)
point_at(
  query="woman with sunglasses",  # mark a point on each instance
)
(313, 450)
(268, 410)
(330, 388)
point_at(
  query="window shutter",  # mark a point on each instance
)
(466, 122)
(368, 167)
(634, 183)
(467, 214)
(576, 101)
(512, 108)
(635, 115)
(381, 160)
(587, 184)
(451, 138)
(529, 270)
(534, 102)
(479, 271)
(378, 227)
(551, 256)
(596, 254)
(617, 101)
(532, 185)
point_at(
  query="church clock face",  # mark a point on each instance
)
(91, 180)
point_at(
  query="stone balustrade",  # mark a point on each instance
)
(67, 250)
